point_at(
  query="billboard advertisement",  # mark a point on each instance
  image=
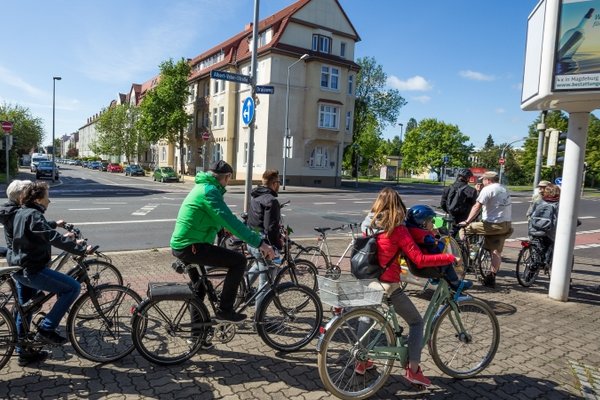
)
(577, 54)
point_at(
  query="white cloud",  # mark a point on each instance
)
(421, 99)
(8, 78)
(416, 83)
(476, 76)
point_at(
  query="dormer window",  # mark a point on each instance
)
(321, 44)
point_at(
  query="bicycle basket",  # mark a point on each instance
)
(347, 291)
(428, 272)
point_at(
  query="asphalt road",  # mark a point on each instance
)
(126, 213)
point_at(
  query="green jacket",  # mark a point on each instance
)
(204, 212)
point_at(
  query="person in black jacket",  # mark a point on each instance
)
(264, 216)
(8, 210)
(468, 196)
(33, 238)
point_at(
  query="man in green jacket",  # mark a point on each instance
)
(202, 214)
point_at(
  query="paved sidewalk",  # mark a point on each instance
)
(548, 350)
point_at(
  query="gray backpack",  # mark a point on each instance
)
(542, 221)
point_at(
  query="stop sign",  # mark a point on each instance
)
(205, 135)
(501, 161)
(7, 126)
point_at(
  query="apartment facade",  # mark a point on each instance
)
(321, 98)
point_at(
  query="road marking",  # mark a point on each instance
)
(89, 209)
(111, 202)
(324, 203)
(362, 202)
(145, 210)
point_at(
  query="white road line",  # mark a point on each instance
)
(89, 209)
(111, 202)
(362, 202)
(325, 203)
(587, 217)
(145, 221)
(145, 210)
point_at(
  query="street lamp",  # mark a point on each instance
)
(286, 133)
(502, 157)
(399, 155)
(54, 79)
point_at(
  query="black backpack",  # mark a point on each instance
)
(364, 263)
(456, 202)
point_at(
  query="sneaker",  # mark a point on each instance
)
(466, 285)
(417, 377)
(229, 316)
(363, 366)
(29, 357)
(49, 337)
(490, 281)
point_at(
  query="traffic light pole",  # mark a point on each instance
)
(6, 143)
(569, 205)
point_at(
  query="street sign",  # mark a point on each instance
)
(558, 181)
(445, 159)
(229, 76)
(7, 126)
(501, 161)
(205, 135)
(248, 110)
(261, 89)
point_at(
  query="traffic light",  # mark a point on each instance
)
(14, 142)
(560, 147)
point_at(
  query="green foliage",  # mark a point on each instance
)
(592, 152)
(393, 147)
(425, 146)
(162, 111)
(117, 132)
(411, 124)
(26, 129)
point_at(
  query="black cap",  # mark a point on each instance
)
(221, 167)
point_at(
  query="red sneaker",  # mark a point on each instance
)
(362, 366)
(417, 377)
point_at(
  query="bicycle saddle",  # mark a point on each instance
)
(321, 230)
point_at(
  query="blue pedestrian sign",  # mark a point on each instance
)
(558, 181)
(248, 110)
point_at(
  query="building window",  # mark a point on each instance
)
(329, 77)
(348, 120)
(205, 119)
(319, 157)
(343, 49)
(221, 116)
(219, 86)
(321, 43)
(328, 116)
(163, 154)
(350, 84)
(217, 154)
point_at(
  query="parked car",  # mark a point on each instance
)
(95, 165)
(114, 167)
(45, 169)
(104, 166)
(165, 174)
(134, 170)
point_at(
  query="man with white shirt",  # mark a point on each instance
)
(494, 202)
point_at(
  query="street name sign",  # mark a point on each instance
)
(229, 76)
(262, 89)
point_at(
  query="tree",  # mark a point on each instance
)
(117, 131)
(592, 152)
(374, 108)
(393, 147)
(411, 124)
(27, 130)
(426, 145)
(162, 111)
(489, 155)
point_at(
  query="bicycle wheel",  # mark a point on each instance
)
(525, 269)
(304, 273)
(318, 257)
(8, 336)
(340, 349)
(464, 352)
(106, 335)
(163, 330)
(289, 317)
(102, 273)
(216, 276)
(484, 262)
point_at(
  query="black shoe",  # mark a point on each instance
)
(490, 281)
(230, 316)
(28, 357)
(50, 337)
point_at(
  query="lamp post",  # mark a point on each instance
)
(399, 155)
(286, 133)
(503, 160)
(54, 79)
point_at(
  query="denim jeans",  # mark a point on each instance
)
(48, 280)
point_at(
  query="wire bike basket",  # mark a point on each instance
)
(347, 291)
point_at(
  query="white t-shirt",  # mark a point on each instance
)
(496, 203)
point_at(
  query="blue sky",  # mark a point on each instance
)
(458, 61)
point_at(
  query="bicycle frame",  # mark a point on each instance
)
(324, 247)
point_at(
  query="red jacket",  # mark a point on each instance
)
(387, 247)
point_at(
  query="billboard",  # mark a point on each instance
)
(577, 50)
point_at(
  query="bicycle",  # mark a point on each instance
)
(98, 323)
(461, 332)
(173, 323)
(320, 254)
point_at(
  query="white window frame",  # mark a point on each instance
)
(319, 157)
(350, 85)
(217, 153)
(221, 116)
(343, 49)
(348, 120)
(163, 154)
(215, 117)
(328, 116)
(330, 77)
(321, 43)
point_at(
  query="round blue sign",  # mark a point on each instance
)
(248, 110)
(558, 181)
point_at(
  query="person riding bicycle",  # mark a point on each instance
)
(543, 218)
(388, 214)
(201, 215)
(419, 221)
(33, 238)
(458, 198)
(537, 196)
(264, 216)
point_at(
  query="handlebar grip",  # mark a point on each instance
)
(95, 249)
(68, 227)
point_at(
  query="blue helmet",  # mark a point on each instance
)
(419, 214)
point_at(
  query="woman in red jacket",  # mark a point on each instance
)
(388, 214)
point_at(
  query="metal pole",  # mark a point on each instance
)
(54, 79)
(286, 132)
(250, 157)
(541, 127)
(6, 141)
